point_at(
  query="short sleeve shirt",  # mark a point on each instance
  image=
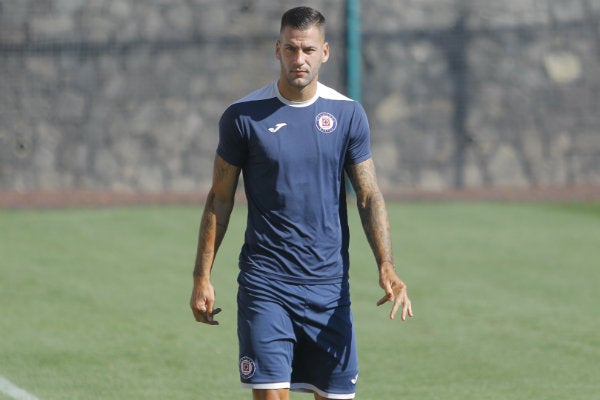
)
(292, 157)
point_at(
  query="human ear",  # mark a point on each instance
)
(277, 49)
(325, 52)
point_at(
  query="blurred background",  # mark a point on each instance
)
(125, 95)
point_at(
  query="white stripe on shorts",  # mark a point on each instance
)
(276, 385)
(307, 387)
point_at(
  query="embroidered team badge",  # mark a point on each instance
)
(247, 367)
(326, 122)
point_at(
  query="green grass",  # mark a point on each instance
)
(94, 304)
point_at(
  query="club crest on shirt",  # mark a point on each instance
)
(326, 122)
(247, 367)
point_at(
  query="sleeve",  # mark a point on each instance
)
(359, 145)
(232, 141)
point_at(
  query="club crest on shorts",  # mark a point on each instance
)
(326, 122)
(247, 367)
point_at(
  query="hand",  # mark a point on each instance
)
(202, 302)
(395, 292)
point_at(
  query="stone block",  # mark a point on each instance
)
(52, 27)
(70, 106)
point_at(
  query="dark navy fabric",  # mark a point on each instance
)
(292, 157)
(296, 336)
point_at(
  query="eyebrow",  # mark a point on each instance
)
(293, 46)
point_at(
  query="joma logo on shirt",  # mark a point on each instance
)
(277, 127)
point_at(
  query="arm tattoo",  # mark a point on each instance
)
(372, 210)
(215, 218)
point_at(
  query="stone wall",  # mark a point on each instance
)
(126, 94)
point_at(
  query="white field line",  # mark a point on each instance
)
(14, 392)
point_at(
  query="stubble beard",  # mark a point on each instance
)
(300, 83)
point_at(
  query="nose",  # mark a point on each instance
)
(299, 57)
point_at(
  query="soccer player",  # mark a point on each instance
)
(292, 140)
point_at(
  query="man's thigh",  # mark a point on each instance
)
(326, 360)
(266, 342)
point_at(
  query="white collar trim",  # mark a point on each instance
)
(305, 103)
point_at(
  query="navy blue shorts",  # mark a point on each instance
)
(296, 336)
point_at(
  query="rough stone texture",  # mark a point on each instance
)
(125, 95)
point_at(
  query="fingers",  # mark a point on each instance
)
(210, 317)
(404, 302)
(206, 317)
(399, 299)
(202, 308)
(407, 311)
(389, 294)
(385, 299)
(397, 304)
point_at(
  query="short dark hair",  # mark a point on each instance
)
(302, 18)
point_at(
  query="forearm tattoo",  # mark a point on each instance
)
(215, 217)
(372, 209)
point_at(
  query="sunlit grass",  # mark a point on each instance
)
(95, 304)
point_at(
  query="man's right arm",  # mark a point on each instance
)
(215, 219)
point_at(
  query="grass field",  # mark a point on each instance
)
(94, 304)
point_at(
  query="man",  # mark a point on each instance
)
(293, 140)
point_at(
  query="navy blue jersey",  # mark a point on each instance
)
(292, 156)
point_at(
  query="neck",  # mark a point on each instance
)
(297, 94)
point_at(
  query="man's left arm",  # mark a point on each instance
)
(376, 224)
